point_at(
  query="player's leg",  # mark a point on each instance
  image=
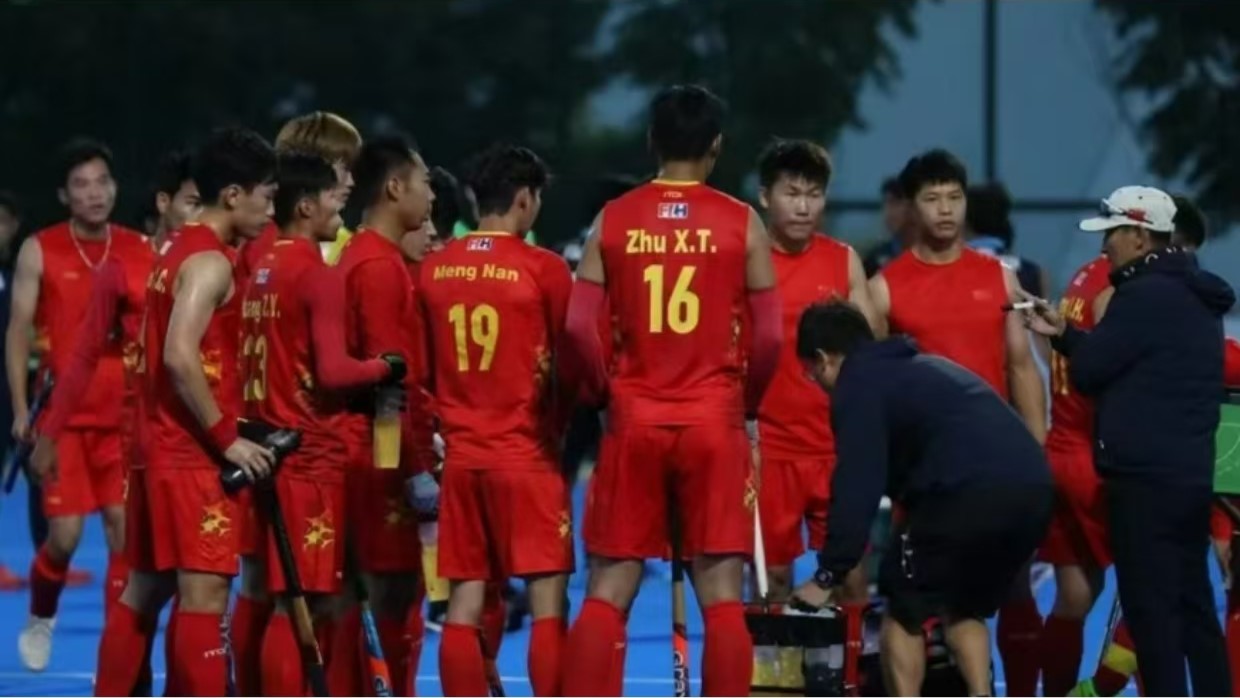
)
(547, 632)
(250, 613)
(715, 496)
(1018, 634)
(902, 653)
(969, 642)
(625, 522)
(782, 504)
(106, 470)
(465, 561)
(461, 667)
(129, 630)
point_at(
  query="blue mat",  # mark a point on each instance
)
(648, 672)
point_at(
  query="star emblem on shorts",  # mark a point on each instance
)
(319, 531)
(751, 494)
(397, 512)
(566, 524)
(214, 520)
(212, 365)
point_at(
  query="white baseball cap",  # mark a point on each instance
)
(1145, 207)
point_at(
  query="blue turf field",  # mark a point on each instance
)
(81, 618)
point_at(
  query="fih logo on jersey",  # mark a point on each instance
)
(673, 211)
(261, 277)
(480, 244)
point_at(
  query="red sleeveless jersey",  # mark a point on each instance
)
(953, 310)
(173, 436)
(494, 307)
(277, 357)
(1072, 414)
(794, 418)
(69, 266)
(674, 257)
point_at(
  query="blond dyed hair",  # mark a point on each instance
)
(324, 133)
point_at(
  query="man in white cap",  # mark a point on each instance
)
(1154, 365)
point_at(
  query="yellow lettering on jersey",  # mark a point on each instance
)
(1073, 309)
(682, 241)
(267, 306)
(455, 271)
(641, 242)
(492, 271)
(703, 235)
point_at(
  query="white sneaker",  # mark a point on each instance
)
(35, 643)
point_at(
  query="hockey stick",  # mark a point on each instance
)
(680, 632)
(17, 457)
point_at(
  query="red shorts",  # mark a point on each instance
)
(707, 468)
(90, 473)
(496, 524)
(793, 491)
(1220, 525)
(1078, 530)
(180, 519)
(313, 511)
(249, 529)
(382, 528)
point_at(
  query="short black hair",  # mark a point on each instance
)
(932, 167)
(376, 162)
(796, 158)
(496, 175)
(891, 188)
(10, 203)
(232, 156)
(990, 211)
(832, 327)
(79, 151)
(685, 120)
(1191, 226)
(172, 171)
(450, 201)
(301, 175)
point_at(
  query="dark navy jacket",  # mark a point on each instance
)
(915, 425)
(1155, 366)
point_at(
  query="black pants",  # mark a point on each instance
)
(1160, 537)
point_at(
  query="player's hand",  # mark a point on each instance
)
(437, 447)
(1043, 318)
(254, 460)
(43, 463)
(811, 597)
(422, 493)
(397, 368)
(21, 426)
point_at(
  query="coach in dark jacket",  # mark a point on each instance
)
(1155, 366)
(972, 481)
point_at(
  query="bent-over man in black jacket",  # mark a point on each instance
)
(1155, 366)
(973, 484)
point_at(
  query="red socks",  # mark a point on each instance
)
(494, 618)
(249, 620)
(281, 659)
(115, 581)
(1019, 635)
(727, 652)
(546, 649)
(201, 661)
(344, 669)
(122, 651)
(415, 628)
(1061, 650)
(397, 649)
(460, 661)
(594, 657)
(172, 684)
(47, 579)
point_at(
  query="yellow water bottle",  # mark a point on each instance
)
(388, 400)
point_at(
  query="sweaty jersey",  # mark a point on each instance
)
(173, 435)
(69, 267)
(794, 417)
(1072, 414)
(674, 259)
(953, 310)
(494, 308)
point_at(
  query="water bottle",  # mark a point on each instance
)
(824, 671)
(388, 399)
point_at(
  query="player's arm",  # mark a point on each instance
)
(557, 285)
(202, 285)
(107, 290)
(19, 336)
(1024, 379)
(880, 296)
(322, 293)
(1098, 357)
(860, 476)
(583, 350)
(765, 311)
(859, 293)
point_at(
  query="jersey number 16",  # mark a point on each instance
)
(680, 310)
